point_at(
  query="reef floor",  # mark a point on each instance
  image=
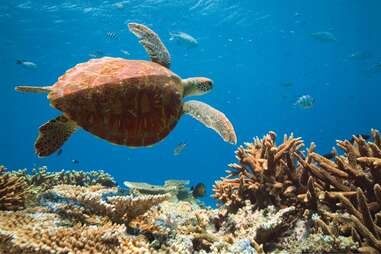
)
(277, 198)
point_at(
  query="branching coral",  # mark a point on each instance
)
(265, 175)
(45, 180)
(106, 202)
(284, 175)
(13, 192)
(40, 233)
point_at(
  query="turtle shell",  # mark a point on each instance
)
(127, 102)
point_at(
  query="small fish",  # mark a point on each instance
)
(198, 191)
(75, 161)
(323, 36)
(331, 155)
(286, 84)
(111, 35)
(359, 55)
(27, 64)
(97, 54)
(183, 38)
(59, 152)
(179, 149)
(119, 5)
(305, 102)
(125, 52)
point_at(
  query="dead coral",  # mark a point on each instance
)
(106, 202)
(266, 174)
(13, 192)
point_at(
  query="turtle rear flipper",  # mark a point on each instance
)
(53, 135)
(34, 89)
(152, 44)
(211, 118)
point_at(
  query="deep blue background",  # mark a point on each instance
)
(249, 48)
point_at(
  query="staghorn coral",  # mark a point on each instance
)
(13, 192)
(266, 174)
(323, 189)
(349, 183)
(106, 202)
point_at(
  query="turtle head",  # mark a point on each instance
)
(197, 86)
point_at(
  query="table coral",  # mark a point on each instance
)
(106, 201)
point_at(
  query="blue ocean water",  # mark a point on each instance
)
(260, 55)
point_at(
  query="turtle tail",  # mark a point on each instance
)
(34, 89)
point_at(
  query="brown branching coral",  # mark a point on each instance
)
(103, 201)
(45, 180)
(284, 175)
(266, 174)
(13, 192)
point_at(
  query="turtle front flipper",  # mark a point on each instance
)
(211, 118)
(53, 135)
(151, 43)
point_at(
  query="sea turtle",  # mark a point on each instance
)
(126, 102)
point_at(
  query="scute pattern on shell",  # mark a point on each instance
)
(127, 102)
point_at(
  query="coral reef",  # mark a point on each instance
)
(46, 180)
(341, 197)
(105, 201)
(278, 198)
(266, 174)
(13, 192)
(34, 232)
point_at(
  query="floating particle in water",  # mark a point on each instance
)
(179, 149)
(199, 190)
(27, 64)
(183, 39)
(323, 36)
(75, 161)
(305, 101)
(111, 35)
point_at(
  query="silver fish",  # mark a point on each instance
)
(183, 38)
(111, 35)
(305, 102)
(179, 149)
(27, 64)
(323, 36)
